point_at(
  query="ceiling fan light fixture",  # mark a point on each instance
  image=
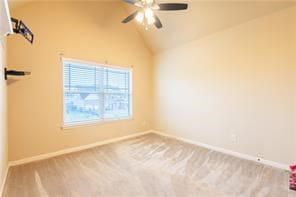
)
(146, 16)
(151, 20)
(149, 2)
(149, 13)
(140, 17)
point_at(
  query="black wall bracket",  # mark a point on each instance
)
(20, 28)
(14, 73)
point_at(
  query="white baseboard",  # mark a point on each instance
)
(228, 152)
(74, 149)
(4, 180)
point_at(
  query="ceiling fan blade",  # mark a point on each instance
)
(130, 17)
(157, 22)
(131, 1)
(173, 6)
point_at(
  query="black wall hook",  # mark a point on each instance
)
(14, 73)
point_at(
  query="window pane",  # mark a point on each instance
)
(93, 92)
(116, 106)
(116, 81)
(79, 78)
(82, 107)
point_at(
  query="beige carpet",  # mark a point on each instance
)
(149, 165)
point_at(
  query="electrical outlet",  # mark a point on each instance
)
(233, 138)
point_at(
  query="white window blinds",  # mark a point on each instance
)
(94, 92)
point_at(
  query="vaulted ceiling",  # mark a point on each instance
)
(203, 18)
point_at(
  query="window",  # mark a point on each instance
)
(95, 93)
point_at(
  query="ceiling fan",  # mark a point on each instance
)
(146, 13)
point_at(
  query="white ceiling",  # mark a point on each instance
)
(201, 19)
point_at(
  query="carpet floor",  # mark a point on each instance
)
(149, 165)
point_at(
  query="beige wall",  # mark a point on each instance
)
(88, 31)
(241, 81)
(3, 112)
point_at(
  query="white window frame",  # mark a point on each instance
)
(102, 120)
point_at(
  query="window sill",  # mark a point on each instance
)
(93, 123)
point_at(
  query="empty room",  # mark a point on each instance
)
(148, 98)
